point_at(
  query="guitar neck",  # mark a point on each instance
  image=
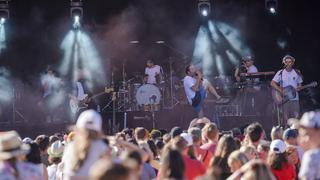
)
(313, 84)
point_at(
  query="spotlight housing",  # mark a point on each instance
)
(204, 7)
(271, 6)
(4, 11)
(76, 13)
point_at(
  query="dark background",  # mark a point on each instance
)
(37, 27)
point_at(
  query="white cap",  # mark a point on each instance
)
(278, 146)
(188, 138)
(310, 120)
(91, 120)
(56, 149)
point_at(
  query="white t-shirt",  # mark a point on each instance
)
(290, 78)
(188, 82)
(152, 72)
(51, 82)
(97, 149)
(252, 69)
(52, 171)
(310, 165)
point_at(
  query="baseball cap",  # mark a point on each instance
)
(278, 146)
(91, 120)
(310, 120)
(290, 133)
(188, 138)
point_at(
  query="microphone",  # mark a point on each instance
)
(198, 75)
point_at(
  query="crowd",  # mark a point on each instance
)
(201, 152)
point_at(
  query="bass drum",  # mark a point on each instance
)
(148, 97)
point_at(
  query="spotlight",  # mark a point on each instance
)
(271, 6)
(4, 10)
(204, 7)
(76, 12)
(2, 21)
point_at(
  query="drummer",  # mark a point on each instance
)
(152, 73)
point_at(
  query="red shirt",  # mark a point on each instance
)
(205, 156)
(193, 168)
(287, 172)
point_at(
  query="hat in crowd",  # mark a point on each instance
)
(175, 131)
(27, 140)
(11, 145)
(188, 138)
(56, 149)
(90, 120)
(290, 133)
(278, 146)
(288, 57)
(310, 120)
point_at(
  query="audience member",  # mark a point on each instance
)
(210, 136)
(86, 148)
(236, 160)
(254, 133)
(278, 161)
(173, 166)
(309, 140)
(226, 146)
(276, 133)
(202, 155)
(55, 152)
(12, 154)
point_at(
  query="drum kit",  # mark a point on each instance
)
(136, 95)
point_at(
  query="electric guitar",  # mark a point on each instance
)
(289, 93)
(77, 103)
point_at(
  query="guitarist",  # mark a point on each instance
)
(284, 78)
(81, 94)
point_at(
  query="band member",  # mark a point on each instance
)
(152, 72)
(284, 78)
(210, 88)
(80, 98)
(247, 66)
(194, 89)
(51, 87)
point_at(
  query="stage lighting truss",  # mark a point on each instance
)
(76, 13)
(4, 11)
(204, 7)
(271, 6)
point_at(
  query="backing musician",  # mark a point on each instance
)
(284, 78)
(80, 96)
(153, 73)
(247, 66)
(250, 89)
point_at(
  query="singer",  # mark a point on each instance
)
(284, 78)
(194, 89)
